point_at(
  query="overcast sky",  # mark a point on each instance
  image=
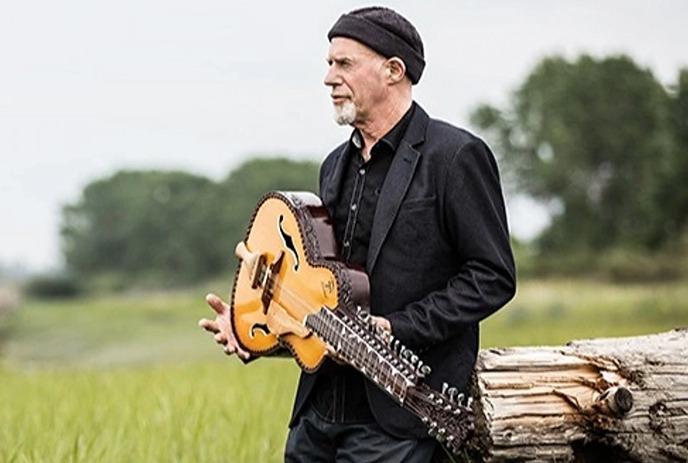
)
(89, 87)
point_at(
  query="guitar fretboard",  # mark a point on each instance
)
(367, 351)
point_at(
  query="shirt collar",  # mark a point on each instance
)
(391, 139)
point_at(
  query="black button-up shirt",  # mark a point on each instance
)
(339, 394)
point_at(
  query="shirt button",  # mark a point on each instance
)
(353, 207)
(362, 171)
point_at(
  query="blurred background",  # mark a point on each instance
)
(136, 138)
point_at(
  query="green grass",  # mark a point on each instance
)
(131, 377)
(207, 412)
(111, 330)
(554, 312)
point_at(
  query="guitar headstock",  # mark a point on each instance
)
(447, 414)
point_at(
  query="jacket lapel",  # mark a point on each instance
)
(396, 184)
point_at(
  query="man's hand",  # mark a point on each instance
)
(222, 327)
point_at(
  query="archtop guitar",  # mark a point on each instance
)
(291, 291)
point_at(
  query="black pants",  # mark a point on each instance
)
(313, 439)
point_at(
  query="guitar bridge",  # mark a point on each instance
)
(268, 281)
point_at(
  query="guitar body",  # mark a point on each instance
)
(288, 270)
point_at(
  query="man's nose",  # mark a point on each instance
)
(330, 77)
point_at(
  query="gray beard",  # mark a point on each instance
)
(345, 114)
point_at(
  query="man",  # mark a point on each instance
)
(418, 204)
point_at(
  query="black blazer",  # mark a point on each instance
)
(439, 258)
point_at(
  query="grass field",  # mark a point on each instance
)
(131, 377)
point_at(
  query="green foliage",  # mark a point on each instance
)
(597, 140)
(134, 222)
(151, 227)
(53, 286)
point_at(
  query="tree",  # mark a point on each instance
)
(169, 227)
(134, 223)
(674, 194)
(593, 139)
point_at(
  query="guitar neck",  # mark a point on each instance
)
(390, 366)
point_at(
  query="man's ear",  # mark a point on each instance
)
(396, 69)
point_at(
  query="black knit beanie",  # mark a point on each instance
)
(385, 31)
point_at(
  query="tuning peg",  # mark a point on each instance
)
(425, 370)
(452, 391)
(414, 359)
(457, 411)
(469, 402)
(444, 388)
(441, 434)
(460, 398)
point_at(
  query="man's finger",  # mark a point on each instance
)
(216, 304)
(232, 342)
(245, 355)
(208, 325)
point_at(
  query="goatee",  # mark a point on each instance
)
(345, 113)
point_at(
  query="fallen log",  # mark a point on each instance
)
(616, 399)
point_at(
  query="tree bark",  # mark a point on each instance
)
(622, 399)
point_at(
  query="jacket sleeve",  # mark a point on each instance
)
(476, 223)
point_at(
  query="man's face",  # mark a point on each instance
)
(356, 77)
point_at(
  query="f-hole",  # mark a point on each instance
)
(289, 243)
